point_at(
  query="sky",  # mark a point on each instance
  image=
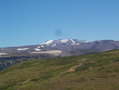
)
(29, 22)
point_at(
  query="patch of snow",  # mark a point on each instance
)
(48, 42)
(22, 49)
(3, 53)
(64, 40)
(42, 46)
(37, 49)
(73, 42)
(53, 45)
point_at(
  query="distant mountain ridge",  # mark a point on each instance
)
(54, 48)
(62, 47)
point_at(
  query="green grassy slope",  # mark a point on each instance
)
(87, 72)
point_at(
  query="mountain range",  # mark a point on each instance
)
(61, 47)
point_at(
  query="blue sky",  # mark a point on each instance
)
(26, 22)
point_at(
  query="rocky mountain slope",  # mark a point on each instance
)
(62, 47)
(54, 48)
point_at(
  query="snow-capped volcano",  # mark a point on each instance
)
(65, 46)
(61, 44)
(57, 48)
(64, 41)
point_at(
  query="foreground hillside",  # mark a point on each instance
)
(87, 72)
